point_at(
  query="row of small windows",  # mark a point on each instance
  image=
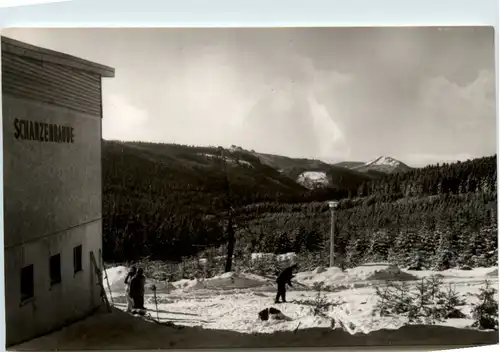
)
(28, 277)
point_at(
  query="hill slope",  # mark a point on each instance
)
(156, 196)
(157, 199)
(150, 189)
(156, 169)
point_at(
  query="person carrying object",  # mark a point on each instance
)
(285, 278)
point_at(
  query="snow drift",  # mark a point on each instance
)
(322, 277)
(379, 271)
(226, 281)
(116, 279)
(335, 277)
(493, 273)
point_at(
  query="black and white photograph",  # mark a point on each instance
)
(188, 188)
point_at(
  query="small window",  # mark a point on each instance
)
(27, 284)
(55, 269)
(77, 259)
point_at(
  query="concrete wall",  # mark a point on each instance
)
(52, 203)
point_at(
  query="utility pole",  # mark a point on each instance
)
(332, 205)
(229, 209)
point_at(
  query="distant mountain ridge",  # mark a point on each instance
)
(380, 166)
(384, 164)
(254, 170)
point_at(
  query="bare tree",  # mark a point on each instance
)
(228, 216)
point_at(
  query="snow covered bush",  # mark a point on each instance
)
(394, 298)
(449, 301)
(321, 304)
(425, 302)
(485, 312)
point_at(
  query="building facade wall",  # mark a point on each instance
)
(49, 186)
(52, 191)
(52, 306)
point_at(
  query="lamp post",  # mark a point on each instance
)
(333, 205)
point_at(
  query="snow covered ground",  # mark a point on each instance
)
(223, 312)
(231, 301)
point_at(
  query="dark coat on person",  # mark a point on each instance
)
(137, 289)
(286, 275)
(285, 278)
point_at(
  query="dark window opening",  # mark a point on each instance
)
(27, 283)
(77, 259)
(55, 269)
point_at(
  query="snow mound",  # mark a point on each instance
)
(116, 278)
(335, 277)
(321, 276)
(314, 321)
(226, 281)
(188, 285)
(378, 271)
(319, 270)
(493, 273)
(458, 273)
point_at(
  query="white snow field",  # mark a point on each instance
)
(223, 312)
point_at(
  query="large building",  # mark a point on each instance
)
(52, 134)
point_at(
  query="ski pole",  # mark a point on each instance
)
(156, 302)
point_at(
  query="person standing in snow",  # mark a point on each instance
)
(129, 277)
(285, 278)
(137, 289)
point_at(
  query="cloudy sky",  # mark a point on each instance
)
(421, 95)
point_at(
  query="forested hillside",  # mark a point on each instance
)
(160, 201)
(448, 213)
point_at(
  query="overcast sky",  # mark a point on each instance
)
(420, 95)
